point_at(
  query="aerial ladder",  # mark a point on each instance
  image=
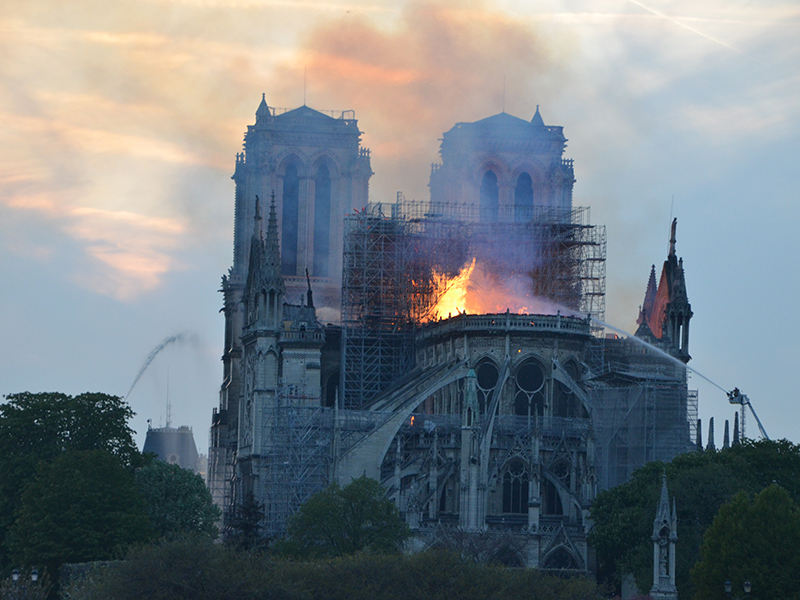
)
(737, 397)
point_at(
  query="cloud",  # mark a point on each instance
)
(437, 62)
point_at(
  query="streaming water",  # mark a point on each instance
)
(659, 351)
(153, 353)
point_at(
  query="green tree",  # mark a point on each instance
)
(344, 520)
(243, 525)
(757, 542)
(701, 482)
(177, 500)
(36, 428)
(83, 506)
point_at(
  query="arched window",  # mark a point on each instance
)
(523, 199)
(489, 197)
(560, 558)
(529, 397)
(515, 488)
(322, 221)
(331, 387)
(487, 374)
(291, 211)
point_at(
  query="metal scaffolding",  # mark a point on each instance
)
(295, 454)
(392, 251)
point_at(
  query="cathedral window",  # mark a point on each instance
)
(523, 199)
(490, 195)
(515, 488)
(322, 221)
(291, 212)
(565, 402)
(487, 375)
(529, 397)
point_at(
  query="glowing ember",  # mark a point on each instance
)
(476, 290)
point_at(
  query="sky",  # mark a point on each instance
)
(119, 125)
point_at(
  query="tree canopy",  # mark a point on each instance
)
(37, 428)
(344, 520)
(756, 541)
(177, 500)
(81, 507)
(195, 569)
(700, 482)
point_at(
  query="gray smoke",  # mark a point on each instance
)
(153, 353)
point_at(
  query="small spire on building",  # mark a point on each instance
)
(257, 220)
(537, 120)
(699, 435)
(672, 239)
(648, 306)
(273, 249)
(262, 110)
(710, 445)
(736, 429)
(726, 442)
(309, 296)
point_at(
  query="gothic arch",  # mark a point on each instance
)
(515, 480)
(561, 558)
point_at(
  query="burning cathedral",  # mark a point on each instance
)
(453, 348)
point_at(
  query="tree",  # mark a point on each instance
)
(243, 525)
(344, 520)
(177, 500)
(757, 542)
(37, 428)
(82, 507)
(701, 482)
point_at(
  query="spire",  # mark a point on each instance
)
(537, 120)
(699, 435)
(726, 440)
(672, 237)
(262, 110)
(649, 303)
(736, 429)
(257, 220)
(663, 516)
(273, 253)
(710, 445)
(309, 295)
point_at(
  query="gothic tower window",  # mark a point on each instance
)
(515, 488)
(523, 199)
(490, 195)
(322, 221)
(565, 402)
(291, 212)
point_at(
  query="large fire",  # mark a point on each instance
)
(476, 290)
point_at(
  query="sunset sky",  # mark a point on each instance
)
(119, 123)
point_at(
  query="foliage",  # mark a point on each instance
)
(188, 568)
(81, 507)
(177, 500)
(243, 525)
(758, 541)
(344, 520)
(196, 569)
(700, 482)
(36, 428)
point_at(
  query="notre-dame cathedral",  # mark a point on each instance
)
(451, 348)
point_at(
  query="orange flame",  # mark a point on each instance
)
(476, 290)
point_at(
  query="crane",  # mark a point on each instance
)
(737, 397)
